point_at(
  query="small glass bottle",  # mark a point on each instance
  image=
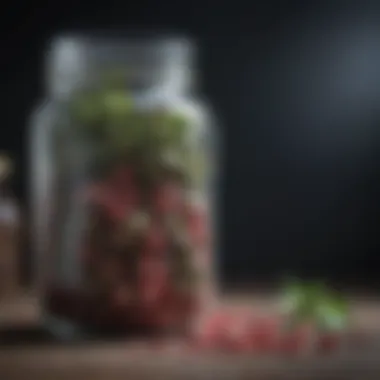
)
(122, 186)
(9, 234)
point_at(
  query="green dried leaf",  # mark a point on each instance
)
(128, 134)
(314, 301)
(117, 105)
(159, 132)
(332, 313)
(115, 79)
(168, 129)
(177, 128)
(292, 297)
(87, 108)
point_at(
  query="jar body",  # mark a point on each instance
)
(123, 206)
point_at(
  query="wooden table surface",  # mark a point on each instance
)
(129, 361)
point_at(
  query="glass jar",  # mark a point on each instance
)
(123, 173)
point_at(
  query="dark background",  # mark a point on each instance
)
(296, 86)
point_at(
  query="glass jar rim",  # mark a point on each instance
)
(125, 34)
(171, 41)
(152, 59)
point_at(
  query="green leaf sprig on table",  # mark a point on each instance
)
(314, 302)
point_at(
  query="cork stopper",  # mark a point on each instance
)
(6, 167)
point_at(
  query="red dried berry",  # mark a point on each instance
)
(206, 338)
(297, 341)
(263, 335)
(118, 196)
(114, 205)
(167, 198)
(122, 178)
(327, 343)
(153, 279)
(213, 332)
(236, 338)
(183, 306)
(156, 241)
(164, 312)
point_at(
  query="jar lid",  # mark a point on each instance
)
(6, 167)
